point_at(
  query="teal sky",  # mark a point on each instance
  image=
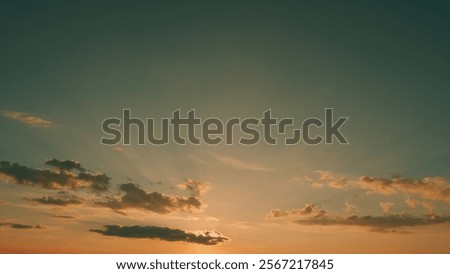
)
(383, 64)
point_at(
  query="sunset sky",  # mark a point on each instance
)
(68, 65)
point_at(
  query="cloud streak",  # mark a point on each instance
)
(28, 119)
(162, 233)
(63, 216)
(21, 226)
(238, 164)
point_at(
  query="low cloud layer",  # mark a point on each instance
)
(162, 233)
(28, 119)
(135, 197)
(385, 221)
(63, 175)
(433, 188)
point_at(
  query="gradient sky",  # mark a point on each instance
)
(68, 65)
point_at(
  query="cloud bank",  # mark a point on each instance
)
(433, 188)
(385, 221)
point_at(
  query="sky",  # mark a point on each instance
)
(69, 65)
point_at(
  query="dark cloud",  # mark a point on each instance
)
(135, 197)
(21, 226)
(162, 233)
(307, 210)
(63, 177)
(433, 188)
(63, 216)
(385, 221)
(99, 181)
(58, 201)
(67, 165)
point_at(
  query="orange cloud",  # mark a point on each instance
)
(28, 119)
(330, 179)
(386, 207)
(307, 210)
(195, 187)
(434, 188)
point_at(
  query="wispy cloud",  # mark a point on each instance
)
(238, 164)
(195, 187)
(29, 119)
(349, 208)
(163, 233)
(386, 207)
